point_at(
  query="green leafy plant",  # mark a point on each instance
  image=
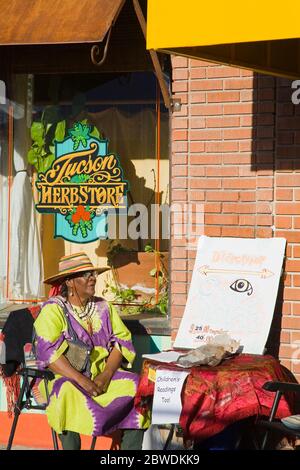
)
(127, 297)
(43, 133)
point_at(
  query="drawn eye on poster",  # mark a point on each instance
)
(233, 290)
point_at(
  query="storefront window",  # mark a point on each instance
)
(124, 109)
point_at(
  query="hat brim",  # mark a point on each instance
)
(59, 277)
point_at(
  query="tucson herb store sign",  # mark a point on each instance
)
(82, 182)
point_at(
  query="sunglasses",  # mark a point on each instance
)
(85, 275)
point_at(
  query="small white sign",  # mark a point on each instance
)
(167, 396)
(2, 92)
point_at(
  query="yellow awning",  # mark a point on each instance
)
(56, 21)
(262, 35)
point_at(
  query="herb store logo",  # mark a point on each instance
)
(83, 181)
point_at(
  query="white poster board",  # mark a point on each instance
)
(233, 289)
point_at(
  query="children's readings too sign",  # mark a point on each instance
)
(233, 290)
(167, 396)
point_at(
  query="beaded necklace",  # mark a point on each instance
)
(85, 313)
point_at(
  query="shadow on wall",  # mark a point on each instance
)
(275, 148)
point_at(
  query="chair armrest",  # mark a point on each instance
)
(281, 387)
(41, 374)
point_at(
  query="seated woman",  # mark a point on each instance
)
(100, 398)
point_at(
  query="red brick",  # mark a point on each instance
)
(288, 208)
(197, 170)
(179, 146)
(179, 134)
(265, 195)
(178, 61)
(201, 63)
(179, 170)
(220, 122)
(212, 207)
(208, 134)
(248, 95)
(286, 351)
(240, 208)
(178, 288)
(207, 110)
(179, 159)
(283, 222)
(205, 159)
(237, 133)
(179, 195)
(181, 74)
(196, 147)
(285, 337)
(178, 264)
(296, 309)
(221, 171)
(292, 265)
(206, 85)
(243, 232)
(212, 231)
(290, 236)
(198, 72)
(197, 97)
(264, 232)
(247, 220)
(222, 71)
(205, 183)
(179, 183)
(222, 97)
(179, 123)
(180, 85)
(296, 251)
(222, 195)
(238, 108)
(221, 146)
(238, 84)
(292, 323)
(284, 194)
(247, 196)
(197, 195)
(296, 280)
(221, 219)
(237, 159)
(239, 183)
(179, 276)
(264, 220)
(197, 123)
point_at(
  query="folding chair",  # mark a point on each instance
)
(26, 399)
(273, 425)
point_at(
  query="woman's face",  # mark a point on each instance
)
(83, 286)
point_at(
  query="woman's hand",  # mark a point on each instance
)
(102, 380)
(89, 386)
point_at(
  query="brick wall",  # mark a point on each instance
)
(236, 149)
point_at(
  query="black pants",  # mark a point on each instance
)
(132, 439)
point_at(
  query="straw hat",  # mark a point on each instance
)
(72, 264)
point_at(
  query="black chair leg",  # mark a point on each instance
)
(93, 443)
(17, 411)
(170, 437)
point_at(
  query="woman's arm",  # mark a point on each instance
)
(113, 362)
(62, 367)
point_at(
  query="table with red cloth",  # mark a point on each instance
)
(215, 397)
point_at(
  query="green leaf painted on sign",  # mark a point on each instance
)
(79, 134)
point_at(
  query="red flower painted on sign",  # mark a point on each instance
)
(81, 213)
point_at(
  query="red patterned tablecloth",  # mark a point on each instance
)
(214, 397)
